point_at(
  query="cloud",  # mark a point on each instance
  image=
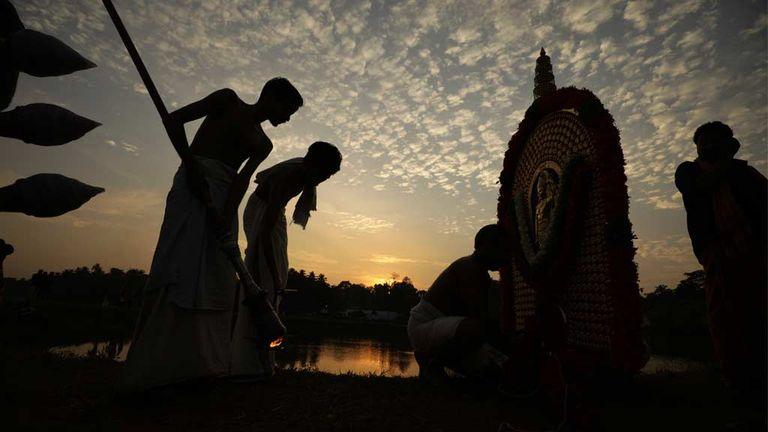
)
(584, 16)
(139, 88)
(119, 210)
(128, 148)
(390, 259)
(422, 95)
(760, 26)
(310, 258)
(636, 12)
(346, 221)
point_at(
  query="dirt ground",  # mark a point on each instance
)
(42, 391)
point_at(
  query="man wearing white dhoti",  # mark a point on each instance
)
(449, 327)
(267, 253)
(185, 325)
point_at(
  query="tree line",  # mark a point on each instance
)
(306, 292)
(310, 293)
(676, 318)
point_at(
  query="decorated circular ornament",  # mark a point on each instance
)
(564, 198)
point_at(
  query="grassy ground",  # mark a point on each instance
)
(42, 391)
(48, 392)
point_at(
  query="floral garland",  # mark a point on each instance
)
(627, 322)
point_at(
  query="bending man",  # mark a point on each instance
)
(267, 253)
(450, 325)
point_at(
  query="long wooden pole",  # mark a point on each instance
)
(256, 297)
(148, 83)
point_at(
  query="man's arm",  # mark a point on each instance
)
(268, 222)
(243, 178)
(215, 102)
(174, 124)
(474, 289)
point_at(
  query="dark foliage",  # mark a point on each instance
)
(677, 318)
(310, 293)
(83, 285)
(307, 293)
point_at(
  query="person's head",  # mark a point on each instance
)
(715, 142)
(492, 246)
(280, 100)
(321, 162)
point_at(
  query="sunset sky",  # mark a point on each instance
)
(420, 96)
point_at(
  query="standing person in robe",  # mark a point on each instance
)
(266, 255)
(183, 331)
(725, 201)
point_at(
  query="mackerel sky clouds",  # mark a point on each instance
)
(420, 96)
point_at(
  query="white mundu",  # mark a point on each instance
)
(186, 318)
(250, 355)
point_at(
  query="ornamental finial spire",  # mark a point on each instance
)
(544, 81)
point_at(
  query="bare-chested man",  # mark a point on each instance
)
(184, 328)
(449, 326)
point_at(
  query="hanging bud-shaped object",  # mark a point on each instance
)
(8, 78)
(46, 195)
(9, 19)
(44, 124)
(5, 249)
(42, 55)
(9, 24)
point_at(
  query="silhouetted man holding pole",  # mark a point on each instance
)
(184, 328)
(725, 201)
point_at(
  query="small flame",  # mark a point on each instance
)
(276, 343)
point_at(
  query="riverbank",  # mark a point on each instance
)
(64, 323)
(43, 391)
(50, 323)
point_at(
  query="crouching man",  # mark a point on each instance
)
(450, 325)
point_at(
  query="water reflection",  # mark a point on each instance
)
(343, 355)
(357, 355)
(116, 349)
(659, 364)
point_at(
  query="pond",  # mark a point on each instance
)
(358, 355)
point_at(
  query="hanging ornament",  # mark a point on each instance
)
(46, 195)
(9, 19)
(44, 124)
(8, 78)
(42, 55)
